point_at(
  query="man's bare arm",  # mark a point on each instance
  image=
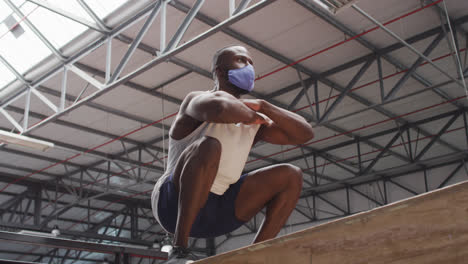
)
(221, 107)
(288, 128)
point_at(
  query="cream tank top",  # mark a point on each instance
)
(236, 141)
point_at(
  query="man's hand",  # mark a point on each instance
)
(254, 104)
(260, 120)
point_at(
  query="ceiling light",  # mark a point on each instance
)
(166, 244)
(55, 231)
(35, 233)
(15, 139)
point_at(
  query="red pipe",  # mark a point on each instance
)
(346, 40)
(375, 81)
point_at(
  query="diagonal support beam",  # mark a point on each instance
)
(136, 42)
(414, 50)
(12, 120)
(183, 27)
(85, 76)
(93, 15)
(450, 176)
(413, 68)
(68, 15)
(226, 23)
(45, 100)
(242, 5)
(347, 89)
(436, 137)
(107, 220)
(381, 153)
(13, 202)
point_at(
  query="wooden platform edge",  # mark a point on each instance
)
(428, 228)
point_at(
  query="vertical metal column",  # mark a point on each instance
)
(162, 32)
(26, 109)
(108, 59)
(134, 221)
(63, 91)
(466, 128)
(426, 185)
(381, 82)
(37, 205)
(358, 144)
(211, 247)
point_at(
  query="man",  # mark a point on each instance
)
(202, 193)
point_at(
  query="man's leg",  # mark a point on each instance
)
(278, 188)
(193, 177)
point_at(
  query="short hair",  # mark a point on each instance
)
(215, 61)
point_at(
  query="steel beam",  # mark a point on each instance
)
(68, 15)
(242, 5)
(94, 16)
(335, 23)
(362, 12)
(123, 62)
(450, 176)
(174, 42)
(346, 90)
(77, 245)
(39, 255)
(381, 153)
(5, 206)
(413, 68)
(378, 134)
(436, 137)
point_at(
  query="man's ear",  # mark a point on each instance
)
(221, 72)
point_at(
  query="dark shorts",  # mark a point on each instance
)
(216, 218)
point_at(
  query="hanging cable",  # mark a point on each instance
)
(163, 127)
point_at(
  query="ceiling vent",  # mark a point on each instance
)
(335, 6)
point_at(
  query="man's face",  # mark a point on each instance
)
(234, 58)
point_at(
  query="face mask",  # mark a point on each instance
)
(243, 78)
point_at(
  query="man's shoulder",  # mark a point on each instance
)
(188, 98)
(194, 94)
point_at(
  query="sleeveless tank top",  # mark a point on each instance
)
(236, 141)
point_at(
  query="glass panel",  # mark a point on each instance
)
(57, 29)
(24, 51)
(71, 6)
(103, 8)
(4, 11)
(6, 76)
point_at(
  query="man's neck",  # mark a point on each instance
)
(229, 90)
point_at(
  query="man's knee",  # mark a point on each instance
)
(208, 147)
(294, 175)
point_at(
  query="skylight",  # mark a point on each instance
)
(23, 49)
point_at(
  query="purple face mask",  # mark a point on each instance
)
(243, 78)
